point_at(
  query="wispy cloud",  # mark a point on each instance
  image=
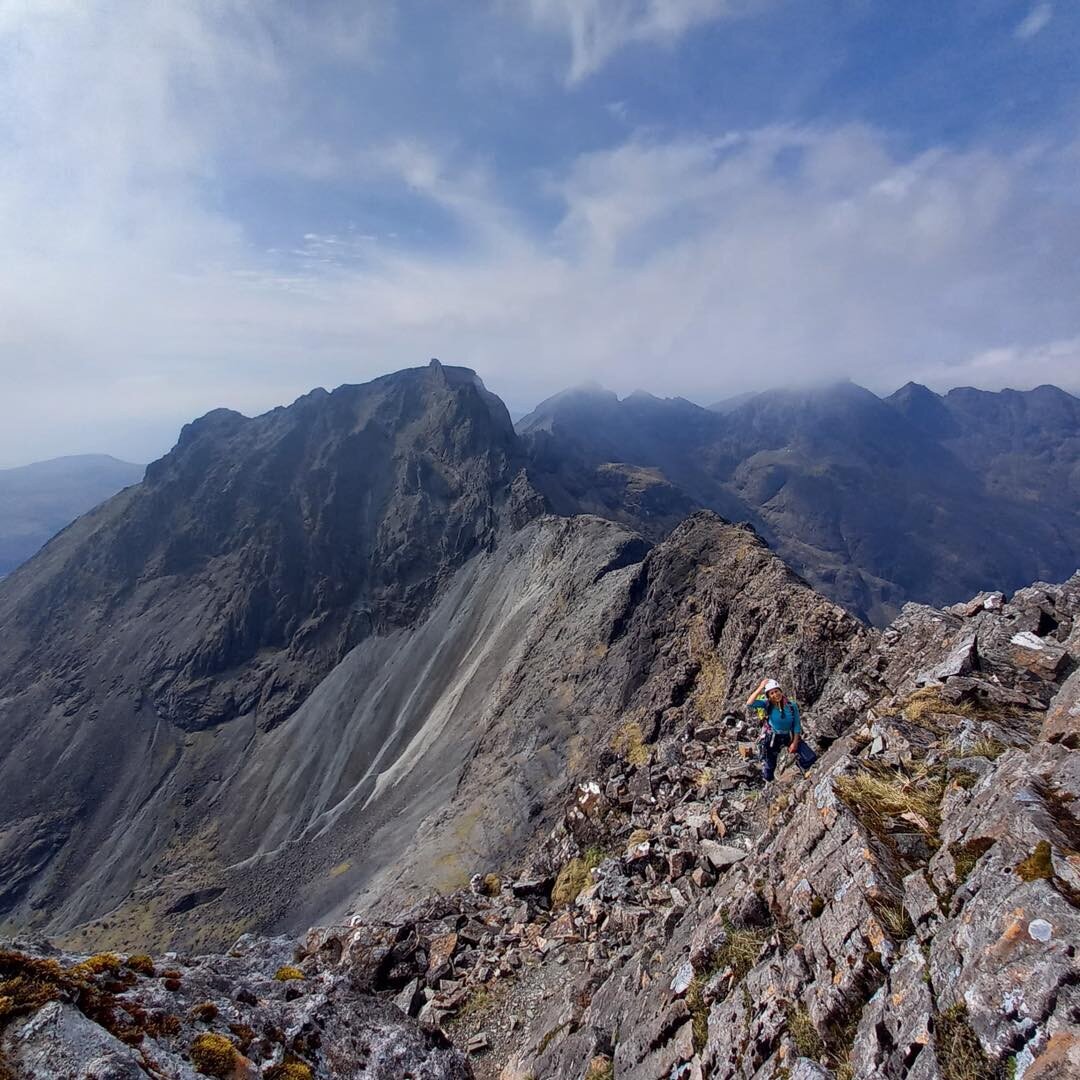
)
(699, 264)
(1037, 19)
(598, 29)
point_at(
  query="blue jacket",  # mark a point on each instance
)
(782, 721)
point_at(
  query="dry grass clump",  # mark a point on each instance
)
(959, 1052)
(476, 1003)
(710, 686)
(877, 792)
(214, 1055)
(629, 743)
(600, 1068)
(803, 1033)
(492, 885)
(575, 876)
(921, 706)
(893, 916)
(288, 972)
(986, 748)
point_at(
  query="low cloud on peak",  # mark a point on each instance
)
(207, 205)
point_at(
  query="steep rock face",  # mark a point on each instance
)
(259, 550)
(914, 497)
(908, 909)
(147, 653)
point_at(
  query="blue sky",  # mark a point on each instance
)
(225, 203)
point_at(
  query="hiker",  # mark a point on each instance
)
(781, 727)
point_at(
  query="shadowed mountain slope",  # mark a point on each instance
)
(288, 773)
(147, 649)
(38, 500)
(876, 501)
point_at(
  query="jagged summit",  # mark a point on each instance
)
(193, 613)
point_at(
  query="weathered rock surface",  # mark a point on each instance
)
(256, 1012)
(907, 909)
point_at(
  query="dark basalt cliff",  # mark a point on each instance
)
(148, 651)
(875, 501)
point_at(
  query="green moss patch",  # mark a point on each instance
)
(574, 877)
(1038, 865)
(214, 1055)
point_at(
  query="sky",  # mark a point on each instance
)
(211, 203)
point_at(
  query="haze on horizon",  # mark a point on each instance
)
(209, 203)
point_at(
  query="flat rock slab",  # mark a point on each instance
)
(721, 856)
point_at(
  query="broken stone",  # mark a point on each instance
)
(684, 976)
(721, 856)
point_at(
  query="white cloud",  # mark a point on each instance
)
(696, 265)
(598, 29)
(1036, 20)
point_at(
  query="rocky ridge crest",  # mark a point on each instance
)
(909, 908)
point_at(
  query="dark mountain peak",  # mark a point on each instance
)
(286, 538)
(925, 410)
(585, 399)
(913, 391)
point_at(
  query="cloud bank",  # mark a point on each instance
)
(697, 264)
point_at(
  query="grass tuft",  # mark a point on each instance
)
(967, 855)
(600, 1068)
(629, 743)
(893, 916)
(575, 876)
(876, 793)
(739, 951)
(804, 1034)
(959, 1052)
(926, 703)
(986, 748)
(699, 1012)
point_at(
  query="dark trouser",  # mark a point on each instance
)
(771, 746)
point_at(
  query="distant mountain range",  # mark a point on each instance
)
(295, 639)
(37, 501)
(876, 501)
(917, 496)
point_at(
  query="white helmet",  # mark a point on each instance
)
(771, 684)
